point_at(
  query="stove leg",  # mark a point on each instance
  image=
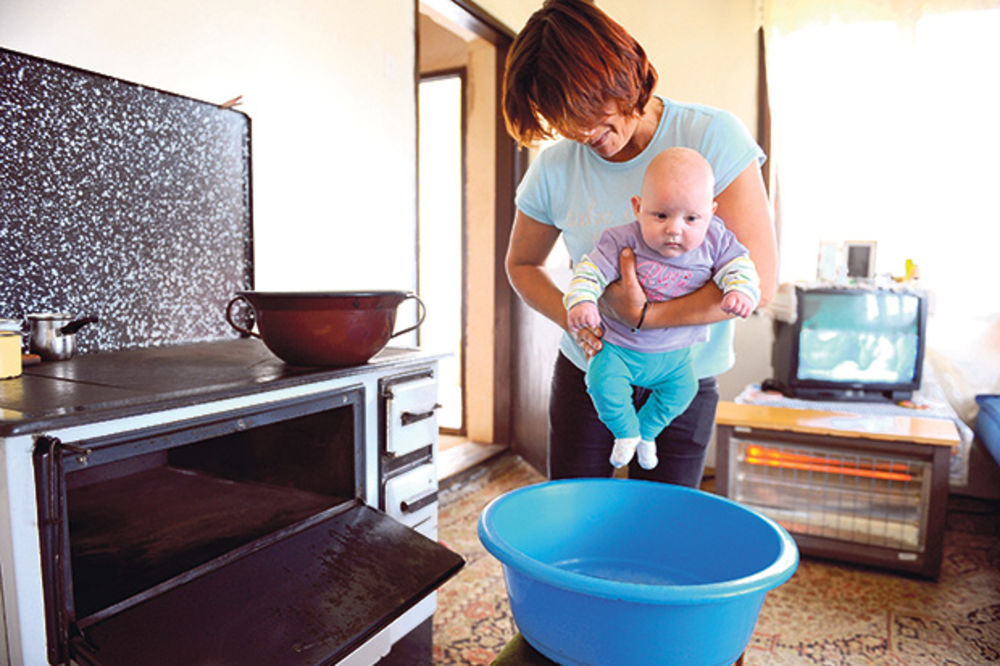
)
(414, 649)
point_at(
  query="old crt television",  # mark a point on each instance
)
(851, 344)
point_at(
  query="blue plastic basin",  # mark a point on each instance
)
(615, 571)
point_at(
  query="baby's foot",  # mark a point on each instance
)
(647, 454)
(623, 451)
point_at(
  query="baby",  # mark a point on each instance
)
(679, 244)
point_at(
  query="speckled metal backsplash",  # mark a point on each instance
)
(120, 201)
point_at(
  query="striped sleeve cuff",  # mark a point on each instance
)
(740, 274)
(587, 283)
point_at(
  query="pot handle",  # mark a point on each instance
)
(74, 326)
(229, 317)
(420, 318)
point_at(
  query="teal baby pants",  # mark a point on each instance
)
(613, 372)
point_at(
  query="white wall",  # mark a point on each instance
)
(329, 88)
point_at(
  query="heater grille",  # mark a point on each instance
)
(856, 497)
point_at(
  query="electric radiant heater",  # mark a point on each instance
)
(852, 496)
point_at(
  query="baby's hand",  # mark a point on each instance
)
(737, 303)
(583, 315)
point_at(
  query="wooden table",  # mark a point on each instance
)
(842, 459)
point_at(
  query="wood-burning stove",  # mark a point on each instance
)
(225, 522)
(174, 495)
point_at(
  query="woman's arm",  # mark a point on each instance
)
(530, 244)
(743, 206)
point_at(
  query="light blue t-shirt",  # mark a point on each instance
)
(572, 188)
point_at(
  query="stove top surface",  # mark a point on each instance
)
(134, 381)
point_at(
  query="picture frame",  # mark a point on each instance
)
(859, 259)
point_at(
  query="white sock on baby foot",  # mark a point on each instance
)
(623, 451)
(647, 454)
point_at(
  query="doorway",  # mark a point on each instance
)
(462, 238)
(440, 236)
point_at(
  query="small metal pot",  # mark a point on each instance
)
(52, 335)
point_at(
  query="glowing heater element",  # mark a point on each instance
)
(757, 455)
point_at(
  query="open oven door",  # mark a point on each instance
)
(311, 598)
(238, 538)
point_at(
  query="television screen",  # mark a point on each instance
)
(868, 337)
(850, 344)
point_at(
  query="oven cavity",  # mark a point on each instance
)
(154, 517)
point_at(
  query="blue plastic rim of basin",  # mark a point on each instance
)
(615, 571)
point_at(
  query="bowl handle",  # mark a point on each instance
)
(420, 318)
(229, 317)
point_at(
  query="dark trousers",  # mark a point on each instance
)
(580, 444)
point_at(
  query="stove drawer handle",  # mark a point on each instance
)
(406, 418)
(418, 502)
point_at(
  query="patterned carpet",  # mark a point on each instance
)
(828, 613)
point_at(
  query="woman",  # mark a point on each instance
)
(574, 70)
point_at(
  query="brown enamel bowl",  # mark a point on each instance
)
(335, 328)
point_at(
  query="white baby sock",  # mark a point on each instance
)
(647, 454)
(623, 451)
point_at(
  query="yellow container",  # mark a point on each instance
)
(10, 354)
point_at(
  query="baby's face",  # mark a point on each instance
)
(673, 215)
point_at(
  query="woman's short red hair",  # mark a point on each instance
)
(565, 66)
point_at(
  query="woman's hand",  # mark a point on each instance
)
(625, 296)
(589, 340)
